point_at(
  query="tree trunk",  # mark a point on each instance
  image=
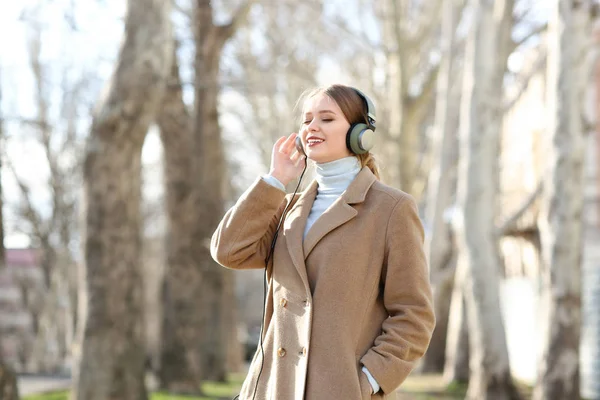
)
(208, 197)
(478, 187)
(208, 166)
(8, 379)
(561, 224)
(406, 58)
(234, 351)
(195, 340)
(456, 362)
(113, 349)
(8, 383)
(439, 245)
(182, 327)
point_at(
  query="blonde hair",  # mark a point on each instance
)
(353, 108)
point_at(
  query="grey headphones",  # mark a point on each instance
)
(360, 137)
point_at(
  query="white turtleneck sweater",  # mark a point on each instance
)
(333, 179)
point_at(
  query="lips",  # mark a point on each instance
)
(314, 141)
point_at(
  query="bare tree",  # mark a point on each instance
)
(440, 192)
(479, 256)
(52, 323)
(209, 168)
(179, 369)
(561, 224)
(272, 80)
(197, 342)
(410, 31)
(8, 379)
(112, 362)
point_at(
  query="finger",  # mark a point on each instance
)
(290, 144)
(295, 155)
(299, 161)
(279, 142)
(285, 146)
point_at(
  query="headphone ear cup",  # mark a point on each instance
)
(360, 138)
(299, 146)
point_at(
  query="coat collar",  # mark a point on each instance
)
(337, 214)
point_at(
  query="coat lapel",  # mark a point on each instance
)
(337, 214)
(340, 211)
(293, 228)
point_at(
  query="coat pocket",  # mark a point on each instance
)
(365, 386)
(366, 389)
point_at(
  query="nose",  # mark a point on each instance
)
(312, 126)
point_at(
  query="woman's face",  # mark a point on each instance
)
(324, 129)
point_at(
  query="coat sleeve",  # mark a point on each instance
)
(407, 297)
(243, 238)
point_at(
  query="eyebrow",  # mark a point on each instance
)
(321, 112)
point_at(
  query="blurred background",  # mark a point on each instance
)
(128, 128)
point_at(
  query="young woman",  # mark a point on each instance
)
(349, 304)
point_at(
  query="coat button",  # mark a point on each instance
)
(281, 352)
(303, 352)
(283, 302)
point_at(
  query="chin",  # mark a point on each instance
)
(321, 158)
(318, 158)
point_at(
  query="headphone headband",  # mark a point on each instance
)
(371, 116)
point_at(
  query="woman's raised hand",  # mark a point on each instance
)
(286, 163)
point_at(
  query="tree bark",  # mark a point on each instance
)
(439, 245)
(8, 383)
(196, 341)
(182, 327)
(208, 166)
(406, 61)
(456, 360)
(478, 188)
(561, 223)
(112, 362)
(8, 379)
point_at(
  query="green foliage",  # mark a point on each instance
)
(62, 395)
(212, 391)
(167, 396)
(457, 388)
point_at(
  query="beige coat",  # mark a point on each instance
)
(355, 292)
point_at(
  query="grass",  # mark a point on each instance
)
(212, 390)
(62, 395)
(416, 387)
(432, 387)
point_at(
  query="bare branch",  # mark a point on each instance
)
(524, 82)
(225, 32)
(510, 224)
(400, 45)
(46, 131)
(27, 209)
(426, 28)
(186, 12)
(534, 32)
(523, 16)
(32, 122)
(419, 103)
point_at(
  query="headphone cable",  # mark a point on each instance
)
(262, 355)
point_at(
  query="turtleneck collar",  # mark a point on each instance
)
(337, 174)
